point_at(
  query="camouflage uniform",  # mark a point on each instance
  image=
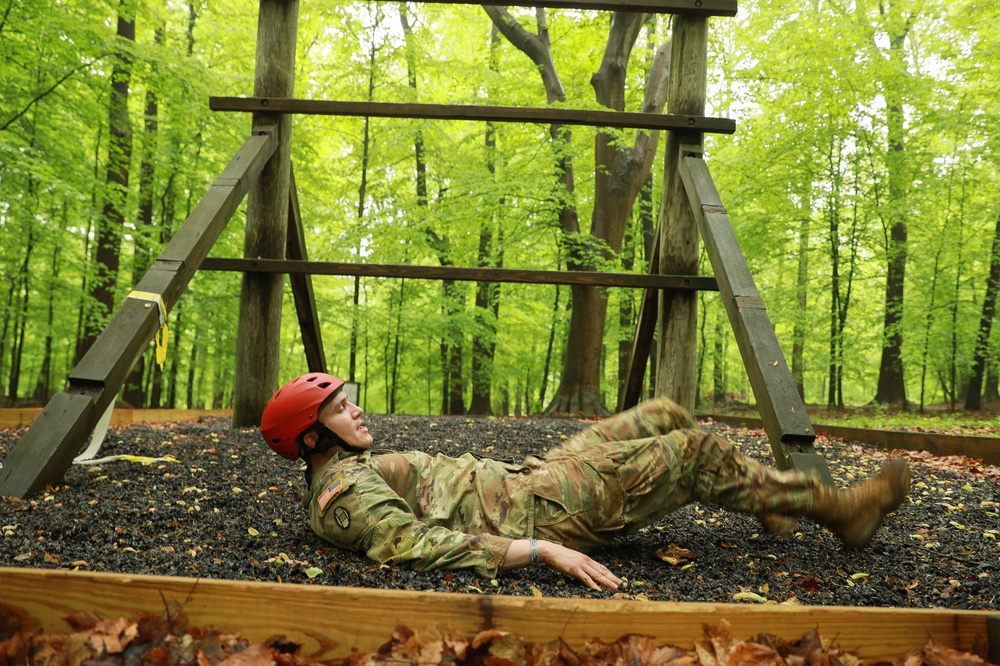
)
(615, 477)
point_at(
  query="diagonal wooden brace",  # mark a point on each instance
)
(781, 408)
(42, 456)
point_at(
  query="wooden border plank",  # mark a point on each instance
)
(16, 418)
(331, 621)
(517, 275)
(986, 449)
(474, 112)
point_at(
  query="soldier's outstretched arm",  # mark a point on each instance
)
(565, 560)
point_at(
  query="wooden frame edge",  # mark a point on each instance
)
(329, 622)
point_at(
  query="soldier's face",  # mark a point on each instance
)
(344, 418)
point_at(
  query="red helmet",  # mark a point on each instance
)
(293, 408)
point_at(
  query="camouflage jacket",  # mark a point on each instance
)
(426, 511)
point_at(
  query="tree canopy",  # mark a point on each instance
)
(861, 182)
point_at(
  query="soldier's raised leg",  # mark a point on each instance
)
(702, 467)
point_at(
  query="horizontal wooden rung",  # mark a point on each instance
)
(700, 283)
(587, 117)
(685, 7)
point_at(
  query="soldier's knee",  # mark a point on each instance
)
(667, 410)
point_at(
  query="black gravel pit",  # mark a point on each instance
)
(205, 500)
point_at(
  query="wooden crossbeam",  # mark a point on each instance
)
(683, 7)
(472, 112)
(47, 449)
(788, 428)
(699, 283)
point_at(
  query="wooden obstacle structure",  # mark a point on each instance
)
(330, 622)
(275, 245)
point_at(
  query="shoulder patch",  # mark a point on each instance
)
(336, 487)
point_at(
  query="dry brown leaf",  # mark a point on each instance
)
(486, 636)
(754, 654)
(257, 654)
(674, 554)
(936, 654)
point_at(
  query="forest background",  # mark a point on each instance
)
(861, 181)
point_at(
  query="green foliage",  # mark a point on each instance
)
(806, 82)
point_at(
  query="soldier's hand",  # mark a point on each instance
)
(590, 572)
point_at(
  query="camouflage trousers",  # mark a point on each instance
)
(642, 464)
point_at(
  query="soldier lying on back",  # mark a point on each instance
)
(610, 480)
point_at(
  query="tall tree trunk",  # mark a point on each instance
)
(929, 320)
(802, 294)
(362, 194)
(455, 305)
(833, 220)
(83, 306)
(393, 392)
(891, 386)
(547, 366)
(953, 379)
(537, 48)
(111, 222)
(21, 313)
(192, 368)
(973, 397)
(133, 392)
(487, 293)
(626, 313)
(647, 215)
(43, 387)
(719, 359)
(854, 240)
(168, 215)
(452, 293)
(991, 389)
(619, 174)
(177, 338)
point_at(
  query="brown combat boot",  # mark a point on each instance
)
(856, 513)
(778, 524)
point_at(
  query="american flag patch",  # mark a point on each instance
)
(331, 491)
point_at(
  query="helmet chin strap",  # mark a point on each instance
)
(326, 439)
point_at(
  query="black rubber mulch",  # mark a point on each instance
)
(229, 508)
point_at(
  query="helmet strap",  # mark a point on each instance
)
(326, 439)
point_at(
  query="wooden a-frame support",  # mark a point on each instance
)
(47, 449)
(784, 415)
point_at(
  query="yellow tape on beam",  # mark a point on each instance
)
(162, 335)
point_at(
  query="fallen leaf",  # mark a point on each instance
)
(674, 554)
